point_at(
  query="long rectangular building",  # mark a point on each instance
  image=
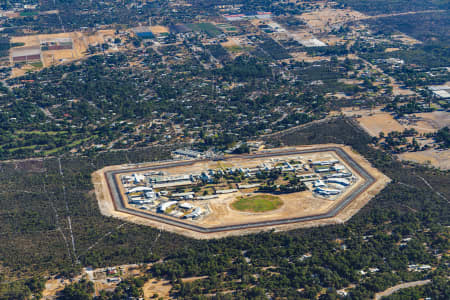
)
(26, 54)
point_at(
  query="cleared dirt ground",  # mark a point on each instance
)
(430, 122)
(160, 287)
(158, 29)
(53, 287)
(298, 204)
(375, 121)
(437, 158)
(81, 42)
(303, 56)
(324, 19)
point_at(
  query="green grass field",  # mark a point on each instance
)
(258, 203)
(209, 28)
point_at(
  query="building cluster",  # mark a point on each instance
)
(335, 177)
(248, 16)
(181, 195)
(440, 91)
(150, 191)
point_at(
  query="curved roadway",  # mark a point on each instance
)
(119, 201)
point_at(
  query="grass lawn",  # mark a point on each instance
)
(37, 64)
(235, 49)
(28, 13)
(40, 132)
(209, 28)
(258, 203)
(73, 144)
(24, 147)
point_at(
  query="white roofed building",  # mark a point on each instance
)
(164, 206)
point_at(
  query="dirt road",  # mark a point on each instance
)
(398, 287)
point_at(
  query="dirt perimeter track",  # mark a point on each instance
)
(107, 191)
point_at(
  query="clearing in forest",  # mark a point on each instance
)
(280, 189)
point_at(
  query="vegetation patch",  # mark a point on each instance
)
(208, 28)
(258, 203)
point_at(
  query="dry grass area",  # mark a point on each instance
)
(303, 56)
(398, 91)
(405, 39)
(391, 49)
(16, 72)
(436, 158)
(81, 42)
(325, 19)
(53, 287)
(430, 122)
(221, 213)
(375, 121)
(194, 278)
(158, 29)
(231, 42)
(98, 276)
(160, 287)
(350, 81)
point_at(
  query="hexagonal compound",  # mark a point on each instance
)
(112, 202)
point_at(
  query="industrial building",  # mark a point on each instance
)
(440, 91)
(143, 32)
(164, 206)
(325, 162)
(187, 153)
(57, 44)
(195, 214)
(161, 192)
(326, 192)
(186, 206)
(26, 54)
(139, 189)
(341, 181)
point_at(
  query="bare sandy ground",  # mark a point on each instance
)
(303, 56)
(230, 42)
(81, 42)
(98, 276)
(297, 205)
(391, 49)
(324, 19)
(160, 287)
(437, 158)
(158, 29)
(430, 122)
(53, 287)
(375, 121)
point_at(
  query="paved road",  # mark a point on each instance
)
(398, 287)
(119, 201)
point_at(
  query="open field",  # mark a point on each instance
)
(303, 56)
(81, 42)
(325, 19)
(375, 121)
(430, 122)
(301, 209)
(258, 203)
(158, 29)
(437, 158)
(160, 287)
